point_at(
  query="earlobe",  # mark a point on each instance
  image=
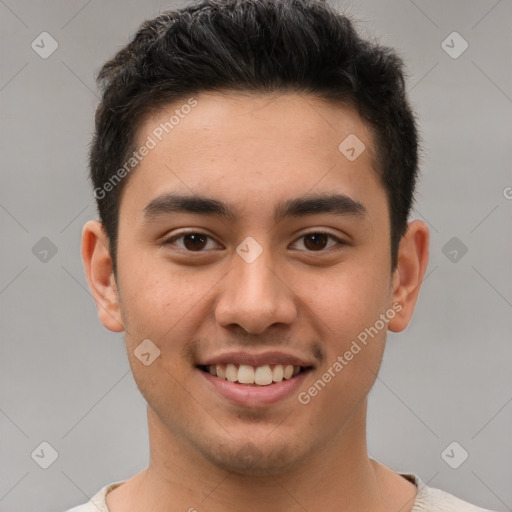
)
(409, 273)
(100, 275)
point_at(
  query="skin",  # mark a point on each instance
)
(253, 151)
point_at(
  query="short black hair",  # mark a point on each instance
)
(259, 46)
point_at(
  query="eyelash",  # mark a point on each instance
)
(340, 242)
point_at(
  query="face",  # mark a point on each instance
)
(227, 261)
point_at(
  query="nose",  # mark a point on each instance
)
(254, 296)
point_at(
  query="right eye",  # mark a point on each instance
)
(192, 241)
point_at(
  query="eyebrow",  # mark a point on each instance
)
(339, 204)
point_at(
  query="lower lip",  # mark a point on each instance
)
(255, 396)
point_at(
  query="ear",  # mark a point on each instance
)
(409, 273)
(100, 275)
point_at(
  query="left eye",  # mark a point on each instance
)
(316, 242)
(312, 242)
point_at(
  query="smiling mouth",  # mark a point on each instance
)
(248, 375)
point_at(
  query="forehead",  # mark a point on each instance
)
(297, 120)
(254, 147)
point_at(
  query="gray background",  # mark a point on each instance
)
(66, 380)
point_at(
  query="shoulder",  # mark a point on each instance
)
(430, 499)
(98, 502)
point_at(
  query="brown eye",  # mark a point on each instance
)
(191, 242)
(316, 241)
(320, 242)
(194, 241)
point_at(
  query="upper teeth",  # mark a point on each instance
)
(246, 374)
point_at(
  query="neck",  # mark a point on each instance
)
(340, 476)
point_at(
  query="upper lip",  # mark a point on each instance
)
(269, 357)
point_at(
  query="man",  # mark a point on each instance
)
(254, 164)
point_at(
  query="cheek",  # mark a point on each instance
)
(167, 306)
(155, 294)
(346, 300)
(158, 305)
(347, 308)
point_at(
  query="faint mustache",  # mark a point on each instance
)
(198, 346)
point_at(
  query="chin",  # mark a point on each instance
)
(257, 459)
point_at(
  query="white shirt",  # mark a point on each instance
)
(427, 499)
